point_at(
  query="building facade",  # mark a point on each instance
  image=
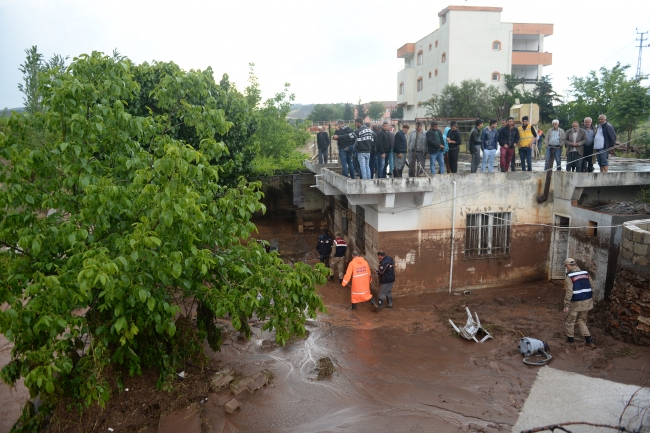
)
(470, 43)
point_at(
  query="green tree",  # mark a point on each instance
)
(361, 110)
(545, 97)
(348, 112)
(376, 110)
(631, 106)
(326, 112)
(472, 98)
(397, 113)
(31, 69)
(113, 229)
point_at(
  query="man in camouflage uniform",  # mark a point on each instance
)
(578, 300)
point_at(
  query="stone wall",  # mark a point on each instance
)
(629, 312)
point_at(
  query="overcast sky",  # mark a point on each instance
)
(334, 51)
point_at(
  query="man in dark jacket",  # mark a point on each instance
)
(382, 149)
(324, 247)
(373, 150)
(364, 142)
(453, 138)
(389, 161)
(435, 148)
(386, 274)
(344, 135)
(323, 143)
(399, 149)
(508, 139)
(475, 143)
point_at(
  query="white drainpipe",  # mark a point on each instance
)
(453, 234)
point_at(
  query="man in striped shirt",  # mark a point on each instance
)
(578, 300)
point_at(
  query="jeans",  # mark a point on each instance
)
(488, 159)
(526, 155)
(364, 164)
(476, 159)
(322, 156)
(452, 157)
(388, 165)
(371, 164)
(355, 161)
(602, 157)
(556, 152)
(506, 157)
(379, 165)
(346, 163)
(440, 157)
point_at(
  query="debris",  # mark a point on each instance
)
(467, 292)
(232, 406)
(238, 386)
(181, 375)
(325, 368)
(472, 327)
(257, 381)
(530, 347)
(222, 378)
(110, 429)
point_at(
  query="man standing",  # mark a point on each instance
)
(372, 163)
(540, 142)
(453, 138)
(386, 274)
(389, 161)
(417, 145)
(359, 272)
(554, 140)
(340, 247)
(323, 143)
(399, 149)
(578, 300)
(363, 141)
(344, 135)
(605, 139)
(489, 143)
(587, 164)
(527, 138)
(574, 141)
(435, 148)
(324, 247)
(508, 139)
(475, 145)
(382, 149)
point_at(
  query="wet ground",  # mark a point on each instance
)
(404, 369)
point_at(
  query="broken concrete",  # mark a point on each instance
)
(222, 378)
(239, 385)
(257, 381)
(232, 406)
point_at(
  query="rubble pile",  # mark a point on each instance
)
(629, 311)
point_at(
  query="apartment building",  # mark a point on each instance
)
(471, 42)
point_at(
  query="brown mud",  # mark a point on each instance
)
(404, 369)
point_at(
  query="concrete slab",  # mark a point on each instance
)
(558, 396)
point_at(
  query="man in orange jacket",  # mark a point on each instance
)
(359, 272)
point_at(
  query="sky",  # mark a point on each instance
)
(335, 51)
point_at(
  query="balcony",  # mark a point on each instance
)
(532, 29)
(406, 76)
(406, 50)
(531, 58)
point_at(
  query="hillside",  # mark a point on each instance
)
(300, 111)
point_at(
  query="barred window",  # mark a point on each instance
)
(488, 235)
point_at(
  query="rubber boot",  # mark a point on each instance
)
(389, 301)
(354, 306)
(589, 341)
(379, 305)
(570, 340)
(373, 307)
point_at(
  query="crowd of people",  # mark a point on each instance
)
(379, 151)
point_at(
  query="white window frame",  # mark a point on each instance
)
(420, 58)
(498, 75)
(495, 43)
(488, 235)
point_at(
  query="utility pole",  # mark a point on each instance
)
(641, 47)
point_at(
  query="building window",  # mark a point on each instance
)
(443, 18)
(592, 228)
(496, 76)
(429, 74)
(430, 46)
(361, 230)
(488, 235)
(401, 88)
(436, 43)
(444, 57)
(420, 57)
(496, 46)
(420, 84)
(436, 72)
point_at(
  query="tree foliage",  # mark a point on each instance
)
(326, 112)
(114, 227)
(472, 98)
(361, 110)
(624, 100)
(397, 113)
(376, 110)
(33, 67)
(348, 112)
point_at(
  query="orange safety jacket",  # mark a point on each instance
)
(359, 272)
